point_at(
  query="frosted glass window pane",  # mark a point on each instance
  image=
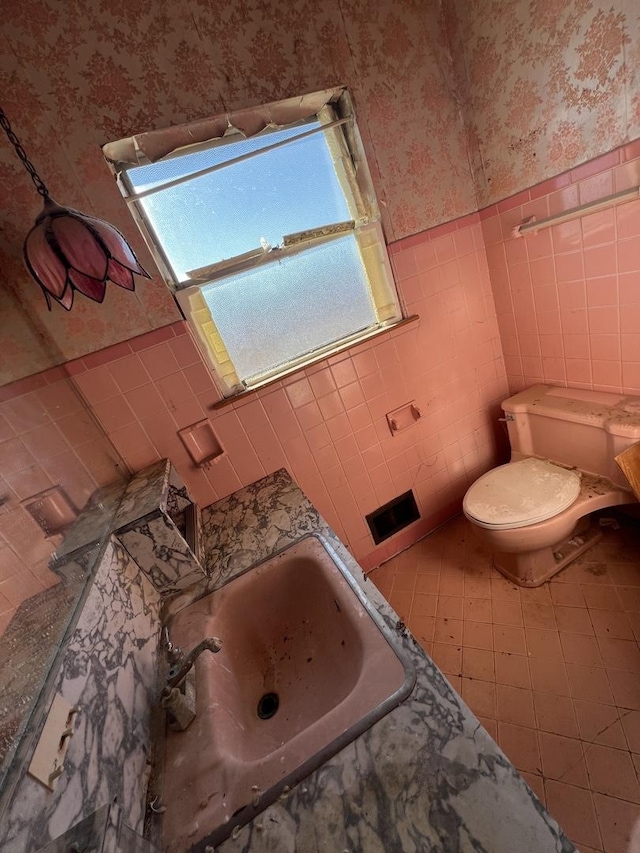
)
(283, 310)
(226, 213)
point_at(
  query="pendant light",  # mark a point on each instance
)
(67, 250)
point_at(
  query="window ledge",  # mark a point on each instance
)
(298, 368)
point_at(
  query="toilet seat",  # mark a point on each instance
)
(521, 493)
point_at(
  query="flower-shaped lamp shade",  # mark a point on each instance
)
(67, 251)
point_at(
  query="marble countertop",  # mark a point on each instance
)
(427, 776)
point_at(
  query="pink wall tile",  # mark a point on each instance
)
(601, 261)
(28, 481)
(326, 425)
(187, 412)
(628, 255)
(300, 393)
(588, 267)
(134, 446)
(599, 228)
(159, 361)
(129, 373)
(45, 441)
(185, 350)
(322, 383)
(96, 385)
(344, 372)
(114, 413)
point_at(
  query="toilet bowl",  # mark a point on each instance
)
(533, 512)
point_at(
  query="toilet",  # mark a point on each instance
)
(532, 513)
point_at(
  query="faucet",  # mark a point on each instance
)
(179, 670)
(174, 653)
(179, 693)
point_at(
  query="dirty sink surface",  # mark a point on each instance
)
(306, 666)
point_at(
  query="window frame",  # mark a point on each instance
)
(354, 177)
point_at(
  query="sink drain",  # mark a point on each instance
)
(268, 705)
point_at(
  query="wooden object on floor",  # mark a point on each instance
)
(629, 462)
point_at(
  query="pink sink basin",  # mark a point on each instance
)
(306, 666)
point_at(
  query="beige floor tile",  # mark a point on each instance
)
(567, 594)
(477, 635)
(555, 714)
(629, 597)
(600, 597)
(612, 772)
(424, 605)
(512, 670)
(477, 610)
(549, 676)
(507, 638)
(573, 619)
(478, 663)
(401, 603)
(575, 735)
(451, 583)
(590, 683)
(448, 658)
(624, 574)
(607, 623)
(573, 808)
(538, 616)
(543, 644)
(504, 590)
(626, 689)
(404, 581)
(507, 612)
(450, 606)
(448, 631)
(429, 566)
(585, 570)
(617, 820)
(620, 654)
(536, 594)
(631, 726)
(427, 584)
(480, 696)
(477, 587)
(515, 705)
(520, 745)
(599, 723)
(563, 759)
(580, 648)
(634, 622)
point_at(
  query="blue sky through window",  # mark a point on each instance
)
(224, 214)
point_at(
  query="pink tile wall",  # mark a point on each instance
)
(327, 425)
(568, 298)
(47, 438)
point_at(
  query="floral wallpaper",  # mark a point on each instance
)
(460, 103)
(548, 85)
(75, 77)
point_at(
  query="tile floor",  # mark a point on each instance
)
(553, 673)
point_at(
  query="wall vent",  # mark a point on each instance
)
(393, 517)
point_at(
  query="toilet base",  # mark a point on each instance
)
(534, 568)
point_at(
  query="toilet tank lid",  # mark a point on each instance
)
(618, 414)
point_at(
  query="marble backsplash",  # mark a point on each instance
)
(109, 670)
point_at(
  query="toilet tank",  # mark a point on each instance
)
(573, 426)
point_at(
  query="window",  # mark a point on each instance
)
(271, 241)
